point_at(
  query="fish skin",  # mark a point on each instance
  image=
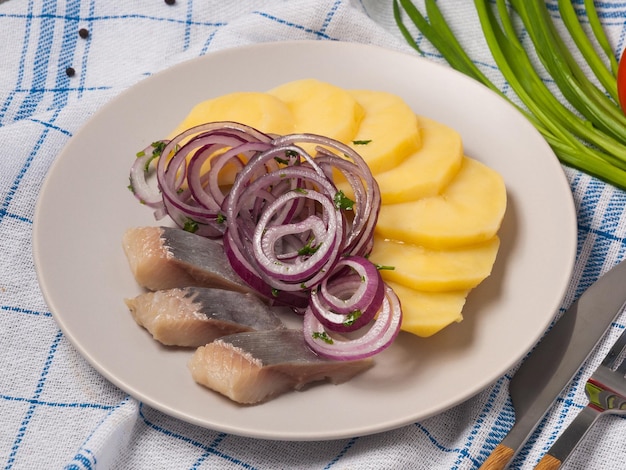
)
(165, 258)
(195, 316)
(254, 367)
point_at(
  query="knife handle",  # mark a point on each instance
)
(498, 459)
(548, 463)
(569, 439)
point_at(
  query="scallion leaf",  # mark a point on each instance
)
(593, 137)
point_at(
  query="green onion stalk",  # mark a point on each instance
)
(589, 131)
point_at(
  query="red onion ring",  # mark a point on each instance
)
(380, 335)
(139, 172)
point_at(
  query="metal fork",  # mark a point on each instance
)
(606, 392)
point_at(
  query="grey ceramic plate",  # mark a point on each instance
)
(85, 207)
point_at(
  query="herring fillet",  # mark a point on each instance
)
(253, 367)
(164, 258)
(195, 316)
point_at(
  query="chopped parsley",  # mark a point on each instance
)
(380, 267)
(158, 147)
(352, 317)
(191, 225)
(361, 142)
(342, 201)
(289, 154)
(301, 190)
(275, 292)
(146, 167)
(221, 218)
(309, 248)
(323, 336)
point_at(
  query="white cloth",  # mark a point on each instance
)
(55, 410)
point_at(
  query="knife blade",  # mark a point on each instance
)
(553, 363)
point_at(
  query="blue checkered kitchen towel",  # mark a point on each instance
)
(51, 420)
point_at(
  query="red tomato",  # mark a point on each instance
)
(621, 81)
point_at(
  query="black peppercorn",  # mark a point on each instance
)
(83, 33)
(70, 71)
(170, 2)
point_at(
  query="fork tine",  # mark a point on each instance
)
(615, 352)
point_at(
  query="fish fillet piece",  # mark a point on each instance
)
(195, 316)
(253, 367)
(165, 258)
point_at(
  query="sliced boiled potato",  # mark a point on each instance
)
(389, 131)
(470, 210)
(435, 270)
(426, 313)
(321, 108)
(427, 171)
(259, 110)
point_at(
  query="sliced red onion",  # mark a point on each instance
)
(188, 212)
(308, 269)
(379, 336)
(147, 194)
(368, 290)
(351, 298)
(367, 207)
(209, 183)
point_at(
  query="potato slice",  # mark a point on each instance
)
(389, 131)
(428, 170)
(321, 108)
(470, 210)
(259, 110)
(426, 313)
(435, 270)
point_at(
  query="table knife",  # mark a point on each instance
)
(555, 360)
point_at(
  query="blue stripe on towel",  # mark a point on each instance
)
(31, 409)
(317, 33)
(40, 60)
(209, 450)
(70, 38)
(20, 75)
